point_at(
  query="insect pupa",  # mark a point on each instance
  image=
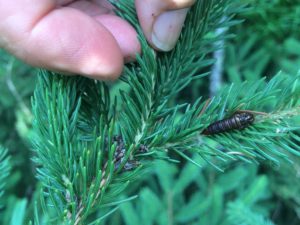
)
(238, 121)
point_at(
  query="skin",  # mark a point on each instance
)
(85, 36)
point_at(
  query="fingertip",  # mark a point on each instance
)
(124, 33)
(68, 40)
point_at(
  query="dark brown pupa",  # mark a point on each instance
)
(238, 121)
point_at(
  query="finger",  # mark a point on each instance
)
(124, 34)
(122, 31)
(162, 21)
(74, 42)
(61, 39)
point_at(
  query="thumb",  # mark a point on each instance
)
(162, 21)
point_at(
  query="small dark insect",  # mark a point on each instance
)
(238, 121)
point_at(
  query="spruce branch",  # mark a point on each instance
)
(83, 166)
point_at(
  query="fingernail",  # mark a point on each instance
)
(167, 28)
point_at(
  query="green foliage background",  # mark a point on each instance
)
(266, 42)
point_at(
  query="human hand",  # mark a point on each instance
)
(81, 36)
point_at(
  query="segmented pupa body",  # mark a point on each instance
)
(238, 121)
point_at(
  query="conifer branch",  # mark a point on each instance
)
(83, 167)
